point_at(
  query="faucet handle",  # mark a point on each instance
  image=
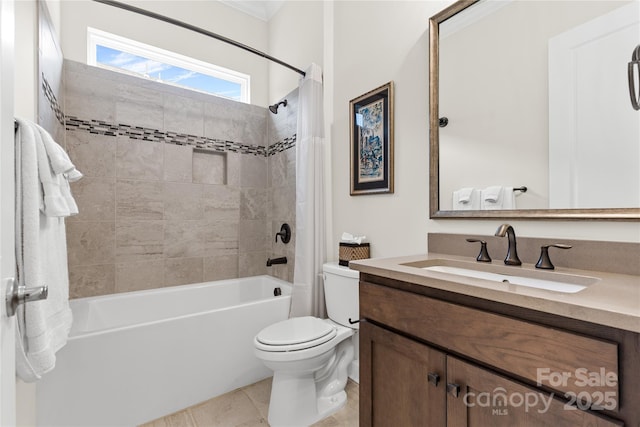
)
(544, 262)
(483, 256)
(285, 233)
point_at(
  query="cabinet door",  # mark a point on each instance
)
(478, 397)
(401, 381)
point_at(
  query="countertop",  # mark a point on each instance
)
(614, 300)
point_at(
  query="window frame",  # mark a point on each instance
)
(97, 37)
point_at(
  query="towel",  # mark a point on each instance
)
(58, 158)
(508, 198)
(53, 166)
(492, 194)
(74, 175)
(466, 199)
(41, 259)
(498, 197)
(464, 195)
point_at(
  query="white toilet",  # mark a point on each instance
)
(311, 357)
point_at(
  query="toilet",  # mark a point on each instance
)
(311, 358)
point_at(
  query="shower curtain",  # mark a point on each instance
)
(308, 294)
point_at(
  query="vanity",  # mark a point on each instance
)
(443, 349)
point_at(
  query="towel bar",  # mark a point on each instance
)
(523, 189)
(17, 295)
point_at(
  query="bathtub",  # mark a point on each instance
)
(137, 356)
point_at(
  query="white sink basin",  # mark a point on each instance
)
(507, 278)
(531, 282)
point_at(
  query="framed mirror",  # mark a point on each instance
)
(530, 110)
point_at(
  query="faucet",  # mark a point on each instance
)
(512, 253)
(285, 233)
(281, 260)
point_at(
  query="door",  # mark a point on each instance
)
(591, 165)
(7, 180)
(478, 397)
(401, 381)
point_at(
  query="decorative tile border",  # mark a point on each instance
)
(145, 134)
(281, 146)
(53, 101)
(99, 127)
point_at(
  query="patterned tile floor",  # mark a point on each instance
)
(247, 407)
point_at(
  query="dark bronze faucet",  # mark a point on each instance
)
(512, 253)
(281, 260)
(544, 262)
(483, 256)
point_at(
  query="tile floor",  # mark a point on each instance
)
(247, 407)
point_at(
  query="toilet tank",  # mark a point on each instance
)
(341, 286)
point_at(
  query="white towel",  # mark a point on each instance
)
(492, 194)
(466, 199)
(464, 195)
(58, 158)
(498, 197)
(53, 165)
(508, 198)
(41, 258)
(74, 175)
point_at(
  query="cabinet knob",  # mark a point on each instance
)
(433, 378)
(453, 389)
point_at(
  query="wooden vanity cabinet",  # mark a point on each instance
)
(404, 382)
(427, 361)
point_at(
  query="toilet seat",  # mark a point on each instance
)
(298, 333)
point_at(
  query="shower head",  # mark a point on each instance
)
(274, 108)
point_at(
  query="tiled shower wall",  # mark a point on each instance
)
(179, 187)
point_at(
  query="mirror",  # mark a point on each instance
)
(536, 95)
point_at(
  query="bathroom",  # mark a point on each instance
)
(396, 48)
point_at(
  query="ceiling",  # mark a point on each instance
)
(261, 9)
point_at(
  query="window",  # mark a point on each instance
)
(132, 57)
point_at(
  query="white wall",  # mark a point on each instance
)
(213, 16)
(26, 75)
(381, 41)
(375, 42)
(295, 37)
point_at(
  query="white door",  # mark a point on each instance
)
(7, 237)
(594, 154)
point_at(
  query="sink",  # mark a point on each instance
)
(506, 276)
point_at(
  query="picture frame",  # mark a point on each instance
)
(371, 141)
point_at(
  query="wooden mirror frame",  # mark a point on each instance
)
(620, 214)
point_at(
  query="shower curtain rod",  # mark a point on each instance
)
(198, 30)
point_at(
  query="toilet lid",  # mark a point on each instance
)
(296, 333)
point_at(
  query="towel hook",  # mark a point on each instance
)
(17, 295)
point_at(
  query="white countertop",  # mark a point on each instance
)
(614, 300)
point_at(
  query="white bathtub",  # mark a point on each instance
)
(137, 356)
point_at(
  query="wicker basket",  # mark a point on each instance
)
(352, 251)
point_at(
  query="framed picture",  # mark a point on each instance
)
(371, 126)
